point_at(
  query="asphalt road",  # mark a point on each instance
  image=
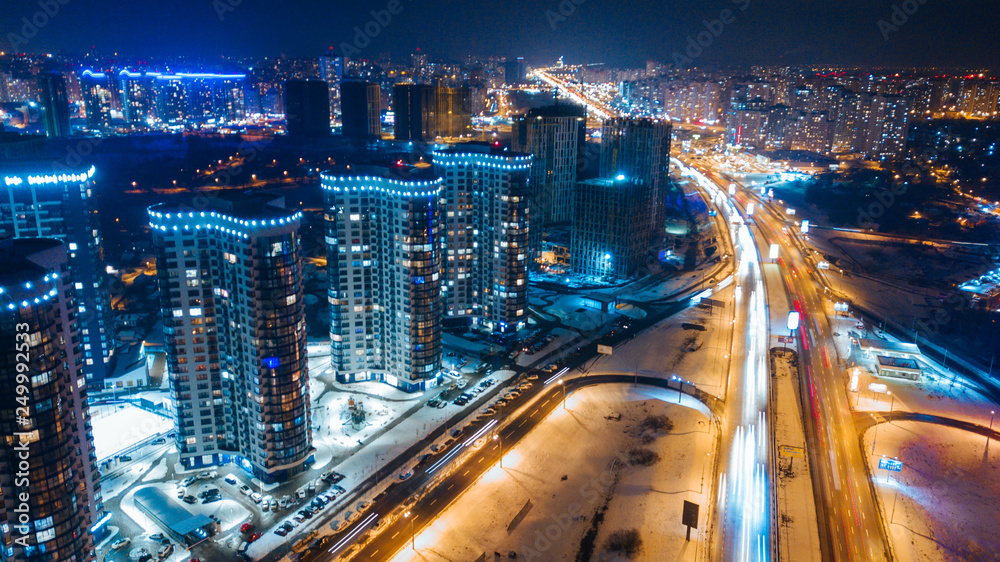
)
(849, 519)
(388, 508)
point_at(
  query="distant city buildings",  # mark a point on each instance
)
(42, 200)
(425, 112)
(384, 265)
(231, 296)
(307, 109)
(362, 107)
(611, 226)
(484, 238)
(148, 97)
(555, 135)
(51, 506)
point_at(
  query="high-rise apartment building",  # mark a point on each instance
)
(555, 136)
(611, 227)
(515, 71)
(425, 112)
(40, 201)
(307, 109)
(55, 104)
(231, 296)
(49, 483)
(98, 99)
(362, 106)
(484, 241)
(640, 149)
(888, 126)
(384, 263)
(331, 70)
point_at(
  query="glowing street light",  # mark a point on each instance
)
(564, 392)
(496, 437)
(413, 535)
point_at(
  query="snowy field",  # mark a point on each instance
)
(668, 348)
(937, 393)
(569, 485)
(117, 428)
(945, 503)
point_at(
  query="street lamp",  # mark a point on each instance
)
(564, 392)
(892, 401)
(496, 437)
(413, 536)
(991, 429)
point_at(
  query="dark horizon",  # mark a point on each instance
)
(624, 34)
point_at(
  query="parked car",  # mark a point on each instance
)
(246, 490)
(232, 479)
(190, 499)
(301, 493)
(209, 492)
(405, 475)
(256, 497)
(433, 403)
(442, 405)
(299, 517)
(280, 531)
(124, 458)
(246, 527)
(121, 543)
(165, 550)
(158, 537)
(181, 492)
(188, 481)
(253, 537)
(211, 499)
(158, 441)
(532, 377)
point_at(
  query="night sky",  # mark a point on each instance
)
(618, 32)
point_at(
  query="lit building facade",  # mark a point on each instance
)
(484, 242)
(384, 264)
(611, 227)
(39, 203)
(48, 467)
(555, 137)
(231, 295)
(639, 149)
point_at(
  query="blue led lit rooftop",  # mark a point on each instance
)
(25, 277)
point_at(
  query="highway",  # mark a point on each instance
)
(850, 524)
(745, 511)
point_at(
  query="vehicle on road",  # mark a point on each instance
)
(158, 441)
(232, 479)
(405, 475)
(254, 536)
(463, 383)
(158, 537)
(188, 481)
(246, 490)
(121, 543)
(246, 527)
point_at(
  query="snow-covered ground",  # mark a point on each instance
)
(567, 485)
(938, 392)
(116, 427)
(945, 502)
(668, 348)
